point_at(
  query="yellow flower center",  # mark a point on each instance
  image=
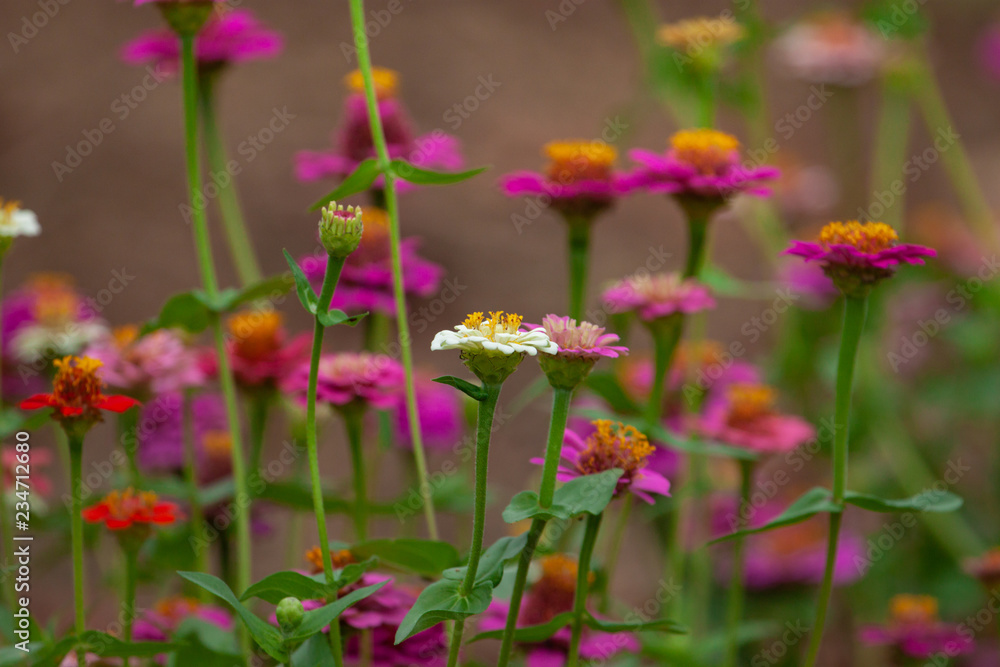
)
(127, 503)
(573, 161)
(56, 303)
(868, 237)
(76, 384)
(256, 334)
(614, 445)
(749, 401)
(217, 444)
(340, 559)
(913, 609)
(125, 335)
(386, 83)
(498, 322)
(7, 211)
(708, 151)
(699, 354)
(700, 32)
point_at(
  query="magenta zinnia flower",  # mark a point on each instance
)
(440, 411)
(161, 434)
(700, 165)
(580, 178)
(353, 141)
(159, 623)
(159, 362)
(990, 51)
(659, 295)
(915, 631)
(612, 445)
(858, 255)
(228, 37)
(366, 279)
(744, 417)
(258, 351)
(350, 377)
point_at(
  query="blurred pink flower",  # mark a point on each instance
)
(989, 50)
(809, 282)
(914, 630)
(832, 48)
(349, 377)
(658, 295)
(744, 416)
(580, 340)
(155, 363)
(440, 410)
(159, 623)
(258, 351)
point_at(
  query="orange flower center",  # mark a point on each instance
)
(708, 151)
(125, 335)
(749, 401)
(340, 559)
(217, 444)
(129, 503)
(55, 300)
(700, 32)
(573, 161)
(177, 608)
(868, 237)
(386, 82)
(256, 334)
(699, 354)
(76, 384)
(554, 591)
(498, 322)
(913, 609)
(614, 445)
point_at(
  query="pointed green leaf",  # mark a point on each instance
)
(493, 560)
(808, 505)
(266, 635)
(473, 391)
(267, 288)
(359, 180)
(419, 176)
(659, 625)
(274, 587)
(587, 494)
(424, 557)
(525, 505)
(332, 318)
(184, 311)
(307, 296)
(318, 619)
(442, 601)
(531, 634)
(205, 644)
(928, 501)
(314, 652)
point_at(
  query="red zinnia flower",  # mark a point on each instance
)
(76, 392)
(120, 510)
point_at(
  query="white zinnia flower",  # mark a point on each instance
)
(16, 221)
(500, 333)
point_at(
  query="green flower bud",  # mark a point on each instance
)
(290, 613)
(340, 229)
(186, 18)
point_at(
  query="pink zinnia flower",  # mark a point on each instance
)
(258, 350)
(172, 2)
(349, 377)
(580, 340)
(159, 623)
(156, 363)
(612, 445)
(858, 255)
(744, 417)
(228, 37)
(441, 418)
(701, 164)
(366, 279)
(809, 282)
(915, 631)
(353, 141)
(659, 295)
(832, 48)
(990, 51)
(551, 595)
(580, 178)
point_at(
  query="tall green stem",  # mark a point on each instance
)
(354, 425)
(666, 336)
(484, 431)
(697, 245)
(128, 598)
(128, 436)
(855, 311)
(206, 266)
(200, 535)
(399, 293)
(260, 407)
(76, 532)
(240, 246)
(892, 137)
(617, 540)
(582, 587)
(579, 258)
(561, 399)
(735, 604)
(330, 278)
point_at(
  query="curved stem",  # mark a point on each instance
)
(354, 424)
(484, 430)
(76, 530)
(734, 608)
(240, 246)
(128, 599)
(200, 541)
(582, 587)
(579, 252)
(855, 311)
(398, 291)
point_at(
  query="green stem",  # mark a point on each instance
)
(706, 99)
(561, 399)
(484, 430)
(198, 532)
(354, 425)
(128, 437)
(76, 529)
(260, 406)
(855, 311)
(330, 278)
(666, 336)
(240, 246)
(128, 598)
(892, 136)
(206, 266)
(399, 293)
(614, 549)
(579, 252)
(735, 604)
(697, 245)
(582, 587)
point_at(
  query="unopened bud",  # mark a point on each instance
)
(340, 229)
(290, 613)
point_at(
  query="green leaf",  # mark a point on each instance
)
(314, 652)
(493, 560)
(443, 601)
(10, 655)
(531, 634)
(587, 494)
(658, 625)
(928, 501)
(332, 318)
(263, 633)
(185, 311)
(318, 619)
(473, 391)
(107, 646)
(359, 180)
(419, 176)
(696, 445)
(307, 296)
(267, 288)
(206, 645)
(13, 420)
(809, 504)
(275, 587)
(424, 557)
